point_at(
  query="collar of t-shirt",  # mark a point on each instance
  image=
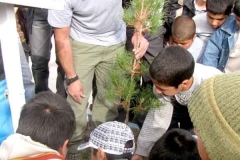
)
(183, 97)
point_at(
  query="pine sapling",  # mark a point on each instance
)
(143, 16)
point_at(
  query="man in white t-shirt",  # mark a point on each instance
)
(88, 36)
(176, 77)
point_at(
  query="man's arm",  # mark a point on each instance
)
(64, 52)
(154, 126)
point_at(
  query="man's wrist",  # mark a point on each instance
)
(71, 80)
(70, 75)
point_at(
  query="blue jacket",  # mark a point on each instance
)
(220, 44)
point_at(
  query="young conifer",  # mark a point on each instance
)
(143, 15)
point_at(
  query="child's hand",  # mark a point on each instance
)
(140, 50)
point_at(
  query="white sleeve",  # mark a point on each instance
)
(61, 18)
(155, 125)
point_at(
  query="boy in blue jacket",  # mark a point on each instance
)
(222, 50)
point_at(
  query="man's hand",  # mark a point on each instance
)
(75, 90)
(140, 50)
(137, 157)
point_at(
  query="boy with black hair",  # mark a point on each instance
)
(175, 144)
(110, 141)
(45, 127)
(217, 13)
(184, 35)
(175, 76)
(222, 50)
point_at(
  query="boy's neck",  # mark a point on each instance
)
(201, 4)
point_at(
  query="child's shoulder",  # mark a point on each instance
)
(230, 24)
(205, 72)
(197, 48)
(198, 42)
(231, 18)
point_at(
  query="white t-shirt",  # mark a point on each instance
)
(197, 49)
(94, 22)
(203, 29)
(233, 63)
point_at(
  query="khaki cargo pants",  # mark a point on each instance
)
(90, 60)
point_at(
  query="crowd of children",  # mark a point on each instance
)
(195, 76)
(174, 84)
(47, 123)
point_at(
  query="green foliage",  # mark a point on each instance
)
(156, 22)
(148, 12)
(129, 16)
(146, 100)
(124, 88)
(124, 61)
(144, 67)
(143, 15)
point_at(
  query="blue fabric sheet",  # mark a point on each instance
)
(6, 127)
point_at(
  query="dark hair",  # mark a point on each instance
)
(219, 6)
(183, 28)
(175, 144)
(128, 156)
(47, 118)
(236, 8)
(172, 66)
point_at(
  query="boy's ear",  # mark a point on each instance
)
(101, 154)
(63, 149)
(185, 83)
(195, 35)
